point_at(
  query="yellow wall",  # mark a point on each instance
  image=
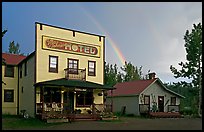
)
(42, 58)
(11, 84)
(98, 99)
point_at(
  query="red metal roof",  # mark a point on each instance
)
(13, 59)
(132, 87)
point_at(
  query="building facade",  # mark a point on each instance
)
(65, 73)
(144, 96)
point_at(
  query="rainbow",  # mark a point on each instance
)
(109, 39)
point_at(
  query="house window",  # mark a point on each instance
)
(53, 64)
(84, 99)
(173, 100)
(21, 89)
(8, 95)
(9, 71)
(20, 70)
(25, 68)
(73, 66)
(146, 99)
(91, 68)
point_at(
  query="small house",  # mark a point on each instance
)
(143, 96)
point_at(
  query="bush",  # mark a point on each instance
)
(188, 111)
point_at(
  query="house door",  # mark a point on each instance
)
(161, 103)
(69, 101)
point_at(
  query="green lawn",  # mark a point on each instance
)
(15, 122)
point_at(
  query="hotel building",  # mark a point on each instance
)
(64, 74)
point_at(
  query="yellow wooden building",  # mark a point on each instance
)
(65, 74)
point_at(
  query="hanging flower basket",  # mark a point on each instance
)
(99, 94)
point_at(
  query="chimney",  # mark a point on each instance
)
(152, 75)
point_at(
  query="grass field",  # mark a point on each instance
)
(16, 122)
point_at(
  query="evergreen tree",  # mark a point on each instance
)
(3, 33)
(14, 48)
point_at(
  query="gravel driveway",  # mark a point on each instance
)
(133, 124)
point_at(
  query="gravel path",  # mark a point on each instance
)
(132, 124)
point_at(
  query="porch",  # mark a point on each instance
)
(172, 111)
(59, 111)
(165, 115)
(71, 100)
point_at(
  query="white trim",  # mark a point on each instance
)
(157, 79)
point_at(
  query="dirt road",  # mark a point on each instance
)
(134, 124)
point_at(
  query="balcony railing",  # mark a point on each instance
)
(78, 74)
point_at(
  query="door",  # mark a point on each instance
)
(68, 101)
(71, 101)
(161, 103)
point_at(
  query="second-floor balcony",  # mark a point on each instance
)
(78, 74)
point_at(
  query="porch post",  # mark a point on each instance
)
(42, 99)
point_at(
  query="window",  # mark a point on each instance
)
(21, 89)
(25, 68)
(53, 64)
(52, 95)
(8, 95)
(73, 66)
(84, 99)
(9, 71)
(173, 100)
(146, 99)
(20, 70)
(91, 68)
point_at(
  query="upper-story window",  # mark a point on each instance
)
(173, 100)
(73, 66)
(25, 68)
(91, 68)
(53, 64)
(9, 71)
(20, 70)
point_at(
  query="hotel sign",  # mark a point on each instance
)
(70, 46)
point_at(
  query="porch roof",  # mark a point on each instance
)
(73, 83)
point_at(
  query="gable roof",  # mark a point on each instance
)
(132, 87)
(136, 87)
(12, 59)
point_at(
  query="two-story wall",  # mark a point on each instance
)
(10, 81)
(26, 85)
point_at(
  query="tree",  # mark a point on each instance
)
(131, 72)
(111, 74)
(14, 49)
(192, 68)
(3, 33)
